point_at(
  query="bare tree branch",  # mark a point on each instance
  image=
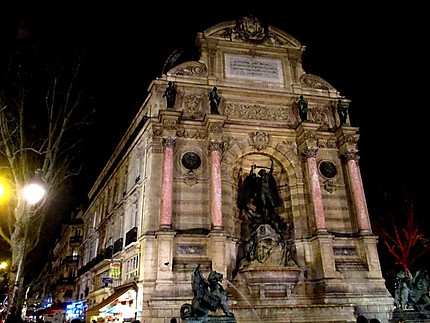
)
(38, 131)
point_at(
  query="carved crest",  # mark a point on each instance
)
(260, 140)
(250, 28)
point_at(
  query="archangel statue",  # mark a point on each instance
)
(269, 242)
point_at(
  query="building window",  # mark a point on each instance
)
(131, 268)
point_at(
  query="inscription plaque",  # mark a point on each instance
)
(253, 68)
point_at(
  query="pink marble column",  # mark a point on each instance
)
(215, 149)
(167, 184)
(315, 190)
(358, 196)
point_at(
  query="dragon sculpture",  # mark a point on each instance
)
(209, 296)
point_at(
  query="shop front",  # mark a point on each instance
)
(118, 307)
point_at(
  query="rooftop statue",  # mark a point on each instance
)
(170, 95)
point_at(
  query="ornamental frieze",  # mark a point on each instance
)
(248, 111)
(191, 133)
(326, 144)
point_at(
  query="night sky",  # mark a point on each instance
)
(372, 56)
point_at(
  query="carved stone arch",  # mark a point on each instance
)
(236, 146)
(289, 161)
(240, 162)
(288, 171)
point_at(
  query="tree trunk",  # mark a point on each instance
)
(16, 279)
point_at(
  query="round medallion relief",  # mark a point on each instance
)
(328, 169)
(191, 160)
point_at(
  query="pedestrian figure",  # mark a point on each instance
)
(170, 95)
(303, 109)
(342, 110)
(214, 100)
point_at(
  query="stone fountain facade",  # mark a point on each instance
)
(310, 257)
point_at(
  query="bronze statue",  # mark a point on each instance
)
(170, 95)
(209, 295)
(259, 194)
(342, 110)
(214, 100)
(270, 239)
(303, 108)
(412, 291)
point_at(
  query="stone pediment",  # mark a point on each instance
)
(251, 30)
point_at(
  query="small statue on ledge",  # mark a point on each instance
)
(170, 95)
(342, 110)
(209, 295)
(303, 109)
(214, 100)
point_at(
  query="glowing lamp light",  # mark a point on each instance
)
(4, 189)
(33, 193)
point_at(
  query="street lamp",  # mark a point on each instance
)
(33, 193)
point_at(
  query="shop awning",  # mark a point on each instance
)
(54, 308)
(119, 291)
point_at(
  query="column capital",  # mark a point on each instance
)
(309, 151)
(169, 142)
(216, 145)
(351, 154)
